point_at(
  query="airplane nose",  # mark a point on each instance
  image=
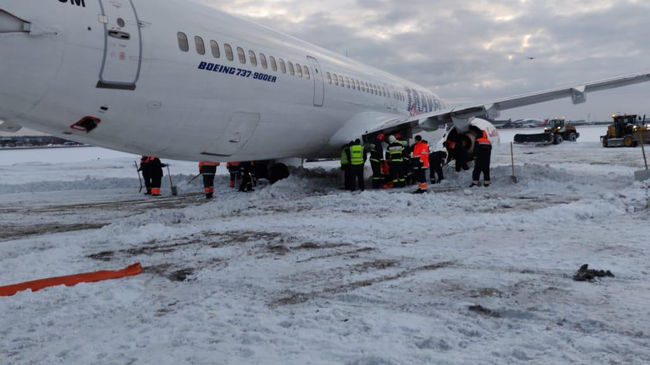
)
(30, 56)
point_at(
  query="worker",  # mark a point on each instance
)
(208, 170)
(395, 158)
(460, 153)
(437, 160)
(156, 173)
(357, 158)
(420, 161)
(406, 155)
(376, 160)
(235, 172)
(346, 166)
(146, 176)
(247, 172)
(483, 157)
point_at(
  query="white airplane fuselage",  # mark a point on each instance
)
(120, 61)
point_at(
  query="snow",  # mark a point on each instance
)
(303, 273)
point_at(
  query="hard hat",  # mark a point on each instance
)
(381, 137)
(398, 136)
(392, 139)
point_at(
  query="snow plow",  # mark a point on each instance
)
(627, 131)
(557, 132)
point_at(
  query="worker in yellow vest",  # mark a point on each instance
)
(357, 157)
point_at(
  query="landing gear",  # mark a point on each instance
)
(277, 172)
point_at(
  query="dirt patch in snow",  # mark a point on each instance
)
(14, 232)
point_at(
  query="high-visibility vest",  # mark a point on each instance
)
(356, 155)
(395, 152)
(344, 156)
(484, 140)
(421, 151)
(201, 164)
(232, 164)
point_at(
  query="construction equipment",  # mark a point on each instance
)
(557, 132)
(626, 131)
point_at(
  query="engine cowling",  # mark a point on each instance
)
(467, 140)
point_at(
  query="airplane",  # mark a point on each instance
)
(180, 80)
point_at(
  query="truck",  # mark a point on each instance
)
(558, 131)
(628, 130)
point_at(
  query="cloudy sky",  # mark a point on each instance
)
(477, 50)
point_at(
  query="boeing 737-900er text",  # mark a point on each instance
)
(180, 80)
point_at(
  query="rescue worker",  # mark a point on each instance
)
(483, 157)
(146, 176)
(460, 153)
(357, 158)
(208, 170)
(235, 172)
(437, 160)
(420, 163)
(156, 173)
(406, 156)
(346, 166)
(376, 160)
(395, 158)
(247, 171)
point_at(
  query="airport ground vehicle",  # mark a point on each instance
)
(557, 132)
(626, 131)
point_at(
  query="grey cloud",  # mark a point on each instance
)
(443, 44)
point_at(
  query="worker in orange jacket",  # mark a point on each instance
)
(234, 169)
(483, 157)
(420, 163)
(208, 170)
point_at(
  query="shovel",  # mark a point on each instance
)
(512, 158)
(174, 188)
(135, 163)
(643, 175)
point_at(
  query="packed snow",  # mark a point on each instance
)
(302, 272)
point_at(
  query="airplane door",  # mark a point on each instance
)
(319, 83)
(389, 96)
(122, 45)
(237, 134)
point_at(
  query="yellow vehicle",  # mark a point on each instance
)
(557, 132)
(627, 131)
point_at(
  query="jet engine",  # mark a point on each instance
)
(467, 140)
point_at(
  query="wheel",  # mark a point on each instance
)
(558, 139)
(628, 141)
(573, 137)
(605, 144)
(278, 172)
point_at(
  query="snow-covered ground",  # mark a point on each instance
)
(304, 273)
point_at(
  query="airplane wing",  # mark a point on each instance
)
(462, 116)
(9, 127)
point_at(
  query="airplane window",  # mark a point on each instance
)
(215, 49)
(358, 85)
(299, 69)
(363, 87)
(329, 78)
(341, 79)
(347, 82)
(291, 70)
(251, 56)
(200, 46)
(183, 44)
(265, 65)
(283, 68)
(307, 73)
(274, 66)
(368, 88)
(229, 54)
(242, 55)
(336, 80)
(354, 87)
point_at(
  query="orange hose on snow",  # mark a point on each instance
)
(72, 280)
